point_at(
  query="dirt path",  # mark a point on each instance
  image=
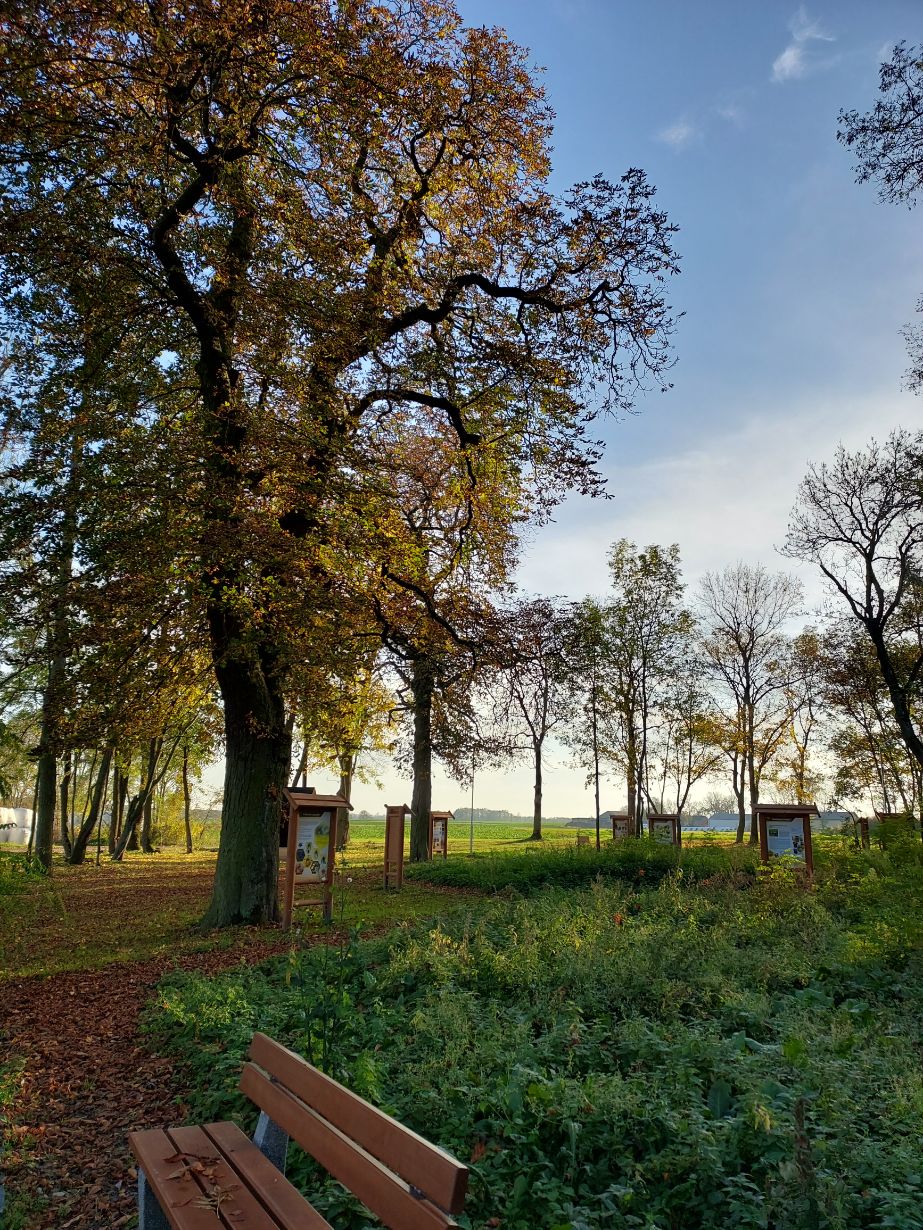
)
(88, 1082)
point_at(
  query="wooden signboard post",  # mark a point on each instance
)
(310, 834)
(394, 844)
(621, 825)
(785, 828)
(439, 832)
(664, 827)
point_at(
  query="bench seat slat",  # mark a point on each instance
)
(285, 1202)
(384, 1193)
(423, 1165)
(237, 1206)
(155, 1153)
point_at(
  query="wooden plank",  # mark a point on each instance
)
(227, 1198)
(287, 1205)
(177, 1193)
(381, 1191)
(423, 1165)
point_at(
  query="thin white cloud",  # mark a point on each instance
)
(799, 57)
(732, 113)
(680, 134)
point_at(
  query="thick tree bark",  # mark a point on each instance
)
(187, 821)
(94, 816)
(422, 687)
(258, 757)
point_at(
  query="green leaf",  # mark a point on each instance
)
(719, 1099)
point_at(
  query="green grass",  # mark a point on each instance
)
(687, 1057)
(535, 866)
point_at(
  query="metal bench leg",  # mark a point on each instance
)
(271, 1141)
(150, 1215)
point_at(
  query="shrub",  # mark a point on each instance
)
(684, 1057)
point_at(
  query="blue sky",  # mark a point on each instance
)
(795, 281)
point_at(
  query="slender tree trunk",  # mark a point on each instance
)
(94, 815)
(119, 799)
(537, 794)
(347, 767)
(187, 819)
(595, 758)
(632, 781)
(154, 748)
(64, 785)
(147, 824)
(422, 688)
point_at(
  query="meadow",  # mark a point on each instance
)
(703, 1052)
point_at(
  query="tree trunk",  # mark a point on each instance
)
(119, 797)
(94, 816)
(154, 748)
(257, 763)
(137, 808)
(537, 796)
(422, 687)
(147, 824)
(898, 694)
(187, 820)
(45, 806)
(632, 782)
(347, 767)
(595, 759)
(67, 769)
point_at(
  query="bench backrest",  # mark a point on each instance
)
(408, 1183)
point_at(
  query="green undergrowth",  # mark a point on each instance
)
(685, 1057)
(534, 867)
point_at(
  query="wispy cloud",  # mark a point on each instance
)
(799, 57)
(731, 113)
(680, 134)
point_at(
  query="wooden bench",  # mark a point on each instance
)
(192, 1178)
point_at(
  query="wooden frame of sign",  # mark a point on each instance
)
(439, 825)
(865, 839)
(658, 820)
(621, 825)
(395, 818)
(307, 812)
(786, 814)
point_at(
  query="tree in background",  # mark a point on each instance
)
(870, 756)
(537, 681)
(794, 776)
(888, 142)
(648, 630)
(860, 521)
(744, 612)
(589, 656)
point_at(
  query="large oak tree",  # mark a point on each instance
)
(311, 198)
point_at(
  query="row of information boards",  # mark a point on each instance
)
(308, 840)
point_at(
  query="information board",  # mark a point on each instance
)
(621, 827)
(785, 837)
(662, 831)
(394, 845)
(312, 847)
